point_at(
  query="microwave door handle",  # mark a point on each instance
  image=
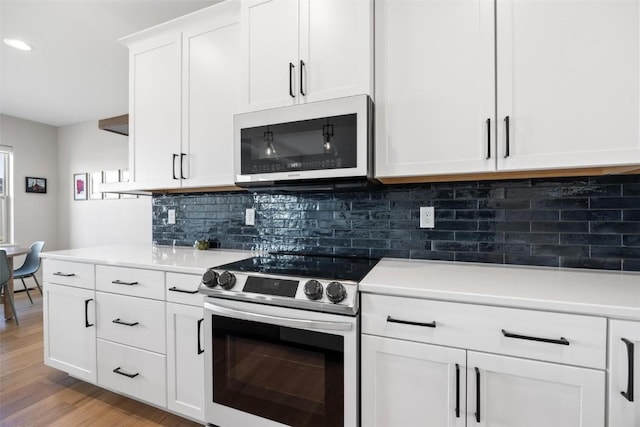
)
(277, 320)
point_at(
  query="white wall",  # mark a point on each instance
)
(83, 148)
(35, 154)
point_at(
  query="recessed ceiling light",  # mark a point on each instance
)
(18, 44)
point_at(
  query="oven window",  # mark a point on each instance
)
(328, 143)
(291, 376)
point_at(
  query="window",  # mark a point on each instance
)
(5, 194)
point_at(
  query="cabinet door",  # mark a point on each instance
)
(568, 79)
(211, 96)
(525, 393)
(185, 360)
(155, 107)
(336, 47)
(69, 319)
(434, 67)
(411, 384)
(269, 49)
(624, 376)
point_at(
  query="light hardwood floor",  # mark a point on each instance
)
(32, 394)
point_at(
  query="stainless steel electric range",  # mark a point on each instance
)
(282, 340)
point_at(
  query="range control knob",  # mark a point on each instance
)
(227, 280)
(336, 292)
(210, 278)
(313, 289)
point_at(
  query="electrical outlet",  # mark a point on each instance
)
(171, 216)
(250, 216)
(427, 217)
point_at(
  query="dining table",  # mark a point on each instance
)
(12, 251)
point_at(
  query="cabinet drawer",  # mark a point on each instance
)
(140, 374)
(69, 273)
(485, 328)
(183, 288)
(130, 281)
(133, 321)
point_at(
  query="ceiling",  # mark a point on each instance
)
(77, 71)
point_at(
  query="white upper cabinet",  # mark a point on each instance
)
(563, 77)
(434, 87)
(211, 96)
(154, 107)
(568, 79)
(297, 51)
(184, 91)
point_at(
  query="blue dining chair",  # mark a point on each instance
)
(30, 267)
(5, 275)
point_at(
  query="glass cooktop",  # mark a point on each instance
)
(313, 266)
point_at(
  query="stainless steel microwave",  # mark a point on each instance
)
(321, 143)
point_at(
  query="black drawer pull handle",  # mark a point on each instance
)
(175, 156)
(118, 371)
(200, 349)
(120, 282)
(506, 148)
(184, 291)
(291, 67)
(457, 391)
(561, 341)
(302, 64)
(58, 273)
(488, 139)
(630, 353)
(182, 155)
(477, 395)
(86, 313)
(120, 322)
(408, 322)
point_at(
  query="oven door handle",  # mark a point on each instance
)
(277, 320)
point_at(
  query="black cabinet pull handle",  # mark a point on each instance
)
(561, 341)
(506, 126)
(301, 74)
(291, 67)
(175, 156)
(488, 139)
(86, 313)
(120, 282)
(120, 322)
(118, 371)
(200, 349)
(58, 273)
(182, 155)
(630, 354)
(184, 291)
(408, 322)
(477, 395)
(457, 391)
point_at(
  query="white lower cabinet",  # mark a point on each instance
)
(507, 391)
(624, 377)
(412, 384)
(69, 330)
(185, 360)
(409, 381)
(132, 371)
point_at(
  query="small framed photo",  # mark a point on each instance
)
(80, 186)
(111, 177)
(124, 177)
(36, 185)
(95, 179)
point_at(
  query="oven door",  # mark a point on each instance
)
(274, 366)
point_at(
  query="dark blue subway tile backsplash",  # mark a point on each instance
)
(583, 222)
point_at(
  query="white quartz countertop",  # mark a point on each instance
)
(166, 258)
(595, 292)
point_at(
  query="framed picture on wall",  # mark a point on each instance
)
(95, 179)
(35, 185)
(80, 186)
(124, 177)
